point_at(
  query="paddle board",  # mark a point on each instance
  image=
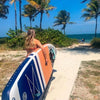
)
(31, 78)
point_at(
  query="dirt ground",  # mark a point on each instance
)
(9, 61)
(87, 84)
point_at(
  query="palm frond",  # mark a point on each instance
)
(87, 18)
(56, 24)
(59, 18)
(71, 23)
(50, 8)
(83, 1)
(85, 15)
(87, 10)
(12, 1)
(34, 4)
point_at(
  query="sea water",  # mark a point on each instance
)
(86, 37)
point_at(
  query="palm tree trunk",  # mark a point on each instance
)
(41, 20)
(20, 15)
(64, 28)
(96, 27)
(64, 31)
(15, 17)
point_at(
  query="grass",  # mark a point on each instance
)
(88, 80)
(8, 65)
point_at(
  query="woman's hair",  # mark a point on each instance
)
(29, 42)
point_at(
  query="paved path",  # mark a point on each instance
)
(66, 68)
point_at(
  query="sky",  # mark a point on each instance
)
(74, 7)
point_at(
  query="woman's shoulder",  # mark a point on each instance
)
(36, 41)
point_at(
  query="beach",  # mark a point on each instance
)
(66, 67)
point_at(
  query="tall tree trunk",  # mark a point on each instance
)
(64, 28)
(64, 31)
(15, 17)
(41, 20)
(20, 13)
(96, 27)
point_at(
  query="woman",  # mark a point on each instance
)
(31, 43)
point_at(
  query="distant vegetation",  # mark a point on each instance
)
(49, 35)
(95, 43)
(92, 11)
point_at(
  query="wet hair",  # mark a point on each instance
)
(29, 42)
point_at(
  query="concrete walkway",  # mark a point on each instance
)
(66, 67)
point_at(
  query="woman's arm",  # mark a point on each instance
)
(38, 43)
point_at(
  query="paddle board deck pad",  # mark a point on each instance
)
(31, 78)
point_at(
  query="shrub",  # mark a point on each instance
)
(49, 35)
(15, 40)
(95, 43)
(54, 37)
(3, 40)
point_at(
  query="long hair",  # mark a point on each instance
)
(29, 42)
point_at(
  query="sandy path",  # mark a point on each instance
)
(66, 68)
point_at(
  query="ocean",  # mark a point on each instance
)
(86, 37)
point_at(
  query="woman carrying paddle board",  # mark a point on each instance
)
(31, 44)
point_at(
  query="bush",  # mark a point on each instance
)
(3, 40)
(54, 37)
(15, 39)
(49, 35)
(95, 43)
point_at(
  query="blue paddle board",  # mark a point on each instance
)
(31, 78)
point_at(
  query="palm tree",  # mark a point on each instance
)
(42, 6)
(20, 19)
(29, 11)
(92, 11)
(20, 14)
(63, 18)
(89, 0)
(14, 1)
(3, 9)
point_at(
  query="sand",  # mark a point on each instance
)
(66, 67)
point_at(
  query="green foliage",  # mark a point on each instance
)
(54, 37)
(16, 39)
(63, 18)
(3, 9)
(95, 43)
(3, 40)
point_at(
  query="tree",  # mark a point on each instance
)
(92, 11)
(3, 9)
(20, 14)
(14, 1)
(42, 6)
(29, 11)
(63, 18)
(89, 0)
